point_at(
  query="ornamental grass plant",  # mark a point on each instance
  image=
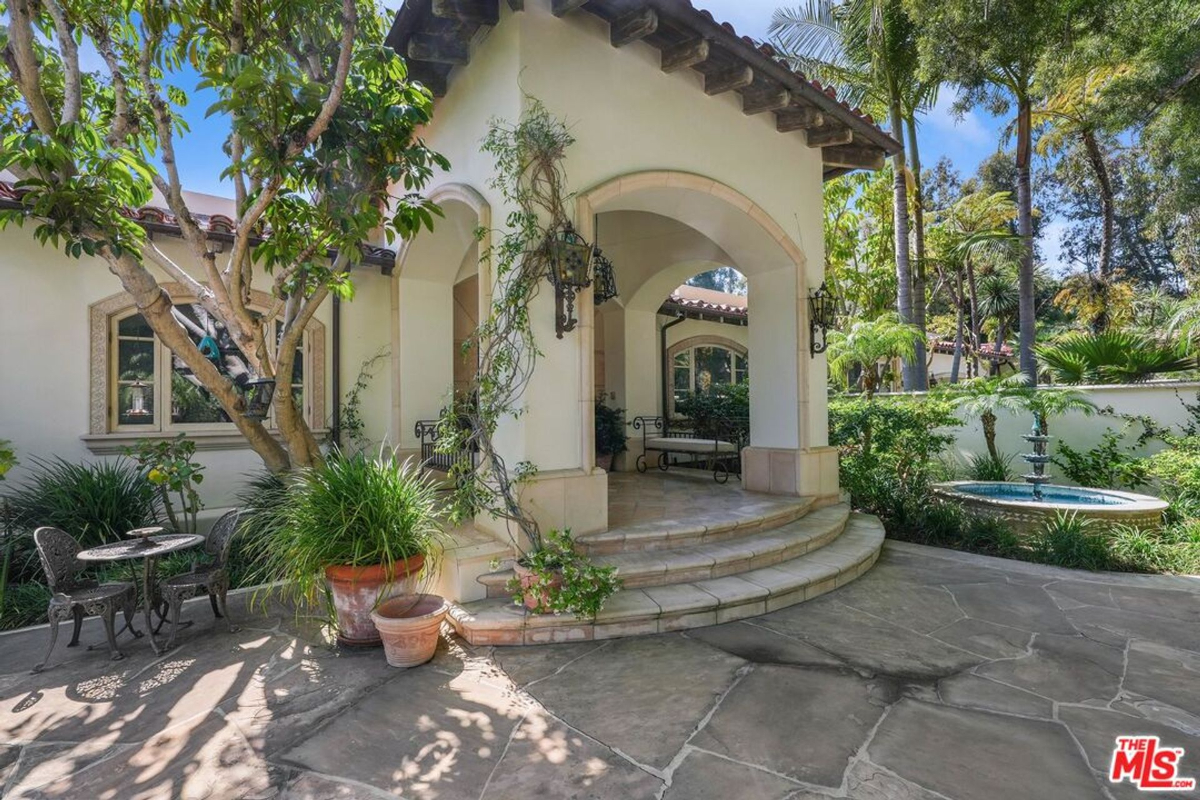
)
(353, 510)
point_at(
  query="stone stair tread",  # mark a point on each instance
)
(669, 533)
(641, 568)
(684, 605)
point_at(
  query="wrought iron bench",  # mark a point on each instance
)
(461, 461)
(712, 444)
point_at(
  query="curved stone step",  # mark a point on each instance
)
(660, 609)
(642, 568)
(743, 519)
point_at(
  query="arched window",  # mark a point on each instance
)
(701, 363)
(140, 388)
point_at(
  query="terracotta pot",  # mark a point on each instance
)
(605, 461)
(535, 601)
(358, 590)
(409, 625)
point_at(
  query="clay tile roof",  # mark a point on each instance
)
(217, 227)
(707, 301)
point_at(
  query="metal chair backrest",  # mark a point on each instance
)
(57, 551)
(219, 539)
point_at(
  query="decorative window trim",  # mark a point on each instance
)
(703, 340)
(100, 432)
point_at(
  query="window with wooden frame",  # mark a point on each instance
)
(700, 367)
(152, 390)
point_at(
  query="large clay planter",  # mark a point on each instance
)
(409, 625)
(358, 590)
(535, 601)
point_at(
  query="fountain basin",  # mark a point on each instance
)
(1014, 504)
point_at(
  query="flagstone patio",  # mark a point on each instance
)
(935, 675)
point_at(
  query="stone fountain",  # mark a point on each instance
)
(1037, 459)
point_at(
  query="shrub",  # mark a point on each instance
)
(982, 467)
(1106, 466)
(352, 510)
(1070, 540)
(610, 429)
(95, 503)
(1177, 470)
(24, 604)
(563, 580)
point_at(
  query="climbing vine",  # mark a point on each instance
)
(529, 174)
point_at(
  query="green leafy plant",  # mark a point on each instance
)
(1069, 540)
(1113, 356)
(8, 457)
(867, 343)
(1177, 470)
(985, 467)
(1108, 465)
(985, 398)
(95, 503)
(610, 429)
(353, 510)
(169, 467)
(563, 581)
(529, 175)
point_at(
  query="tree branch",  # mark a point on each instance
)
(22, 61)
(334, 98)
(72, 86)
(122, 124)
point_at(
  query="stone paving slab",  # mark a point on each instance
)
(936, 675)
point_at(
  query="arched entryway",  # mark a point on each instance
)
(659, 229)
(442, 286)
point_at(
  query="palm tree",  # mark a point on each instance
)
(1072, 113)
(1050, 401)
(999, 300)
(1114, 356)
(983, 398)
(869, 47)
(869, 342)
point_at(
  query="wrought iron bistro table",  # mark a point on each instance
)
(149, 549)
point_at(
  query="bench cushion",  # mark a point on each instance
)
(690, 445)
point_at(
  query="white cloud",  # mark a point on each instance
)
(969, 129)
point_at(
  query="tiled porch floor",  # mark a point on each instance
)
(937, 675)
(678, 493)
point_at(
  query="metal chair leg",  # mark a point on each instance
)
(53, 638)
(220, 598)
(176, 607)
(212, 601)
(109, 618)
(77, 613)
(129, 608)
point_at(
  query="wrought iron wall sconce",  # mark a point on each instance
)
(570, 272)
(604, 280)
(821, 317)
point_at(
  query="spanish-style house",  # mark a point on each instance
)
(695, 149)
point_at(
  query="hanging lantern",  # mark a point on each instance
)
(604, 280)
(139, 391)
(821, 317)
(570, 271)
(258, 393)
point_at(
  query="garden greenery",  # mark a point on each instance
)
(563, 581)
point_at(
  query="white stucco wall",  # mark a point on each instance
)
(45, 351)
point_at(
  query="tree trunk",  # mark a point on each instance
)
(919, 277)
(976, 332)
(155, 307)
(1025, 228)
(989, 434)
(956, 363)
(904, 299)
(1096, 159)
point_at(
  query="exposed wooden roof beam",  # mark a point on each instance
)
(635, 25)
(479, 12)
(438, 48)
(684, 55)
(563, 7)
(727, 80)
(853, 157)
(829, 135)
(771, 99)
(428, 75)
(797, 118)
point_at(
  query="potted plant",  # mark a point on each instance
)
(410, 625)
(351, 533)
(556, 578)
(610, 434)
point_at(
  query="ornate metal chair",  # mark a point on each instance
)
(211, 579)
(77, 598)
